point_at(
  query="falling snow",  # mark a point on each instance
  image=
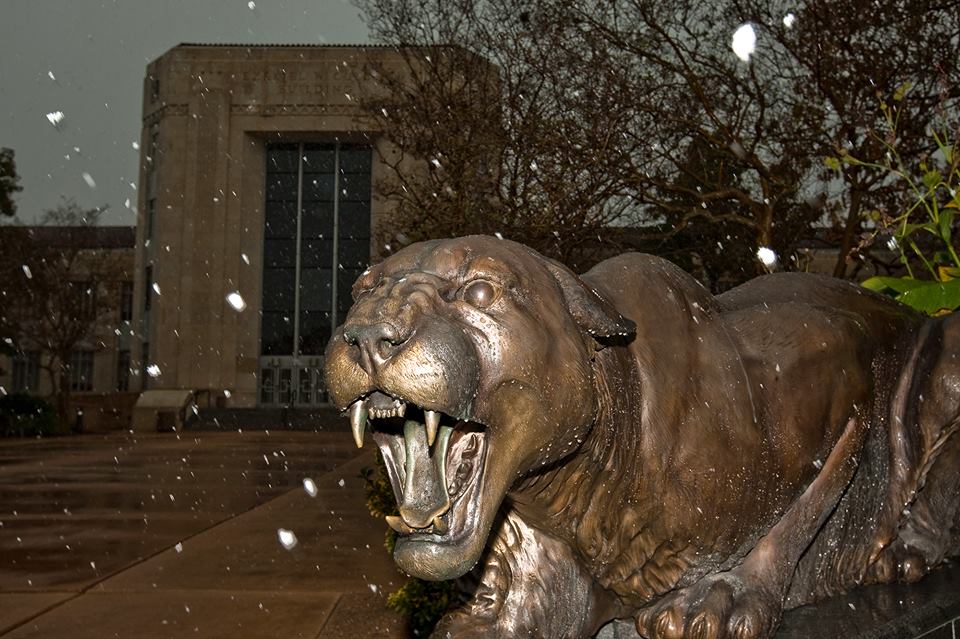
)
(251, 5)
(287, 539)
(89, 180)
(310, 486)
(55, 118)
(156, 288)
(789, 19)
(27, 272)
(236, 301)
(744, 41)
(767, 256)
(153, 370)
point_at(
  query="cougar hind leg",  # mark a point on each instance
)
(747, 601)
(929, 525)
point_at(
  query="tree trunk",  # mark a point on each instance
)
(63, 399)
(849, 230)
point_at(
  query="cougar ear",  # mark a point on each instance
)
(592, 312)
(368, 279)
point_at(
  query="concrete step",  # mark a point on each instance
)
(231, 419)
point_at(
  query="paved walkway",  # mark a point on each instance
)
(167, 536)
(177, 536)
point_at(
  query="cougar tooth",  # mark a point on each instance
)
(358, 421)
(440, 454)
(433, 423)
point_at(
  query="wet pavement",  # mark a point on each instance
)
(177, 535)
(166, 536)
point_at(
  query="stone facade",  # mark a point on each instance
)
(210, 116)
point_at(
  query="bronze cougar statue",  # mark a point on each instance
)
(623, 444)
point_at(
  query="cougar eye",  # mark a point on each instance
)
(479, 293)
(366, 284)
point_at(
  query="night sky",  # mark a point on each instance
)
(86, 59)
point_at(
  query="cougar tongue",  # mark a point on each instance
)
(424, 493)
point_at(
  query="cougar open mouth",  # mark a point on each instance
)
(434, 461)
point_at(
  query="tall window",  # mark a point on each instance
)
(123, 370)
(151, 174)
(81, 370)
(145, 366)
(148, 287)
(26, 372)
(83, 299)
(317, 224)
(126, 301)
(316, 243)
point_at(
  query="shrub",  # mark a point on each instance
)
(923, 233)
(26, 416)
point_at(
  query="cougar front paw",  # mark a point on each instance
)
(717, 607)
(461, 625)
(897, 562)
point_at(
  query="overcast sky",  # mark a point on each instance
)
(86, 59)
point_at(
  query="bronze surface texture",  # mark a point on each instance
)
(623, 444)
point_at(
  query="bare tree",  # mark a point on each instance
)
(51, 290)
(844, 59)
(638, 112)
(9, 182)
(483, 140)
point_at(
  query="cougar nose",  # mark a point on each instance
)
(377, 343)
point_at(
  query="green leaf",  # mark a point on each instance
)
(946, 224)
(933, 298)
(832, 163)
(931, 178)
(902, 91)
(947, 273)
(898, 284)
(907, 229)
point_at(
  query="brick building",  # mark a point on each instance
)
(98, 295)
